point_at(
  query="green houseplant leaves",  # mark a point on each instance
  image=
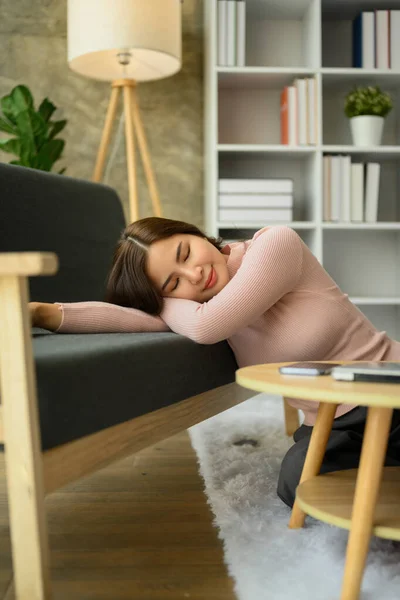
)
(34, 134)
(369, 101)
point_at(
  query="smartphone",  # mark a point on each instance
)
(308, 368)
(383, 372)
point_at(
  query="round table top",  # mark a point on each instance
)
(321, 388)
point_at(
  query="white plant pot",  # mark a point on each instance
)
(367, 130)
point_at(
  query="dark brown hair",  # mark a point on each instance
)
(128, 283)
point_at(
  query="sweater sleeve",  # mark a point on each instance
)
(103, 317)
(270, 269)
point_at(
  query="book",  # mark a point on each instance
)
(382, 39)
(311, 85)
(327, 188)
(301, 112)
(231, 33)
(357, 192)
(364, 40)
(283, 215)
(345, 186)
(255, 186)
(241, 33)
(222, 42)
(255, 200)
(335, 188)
(288, 116)
(395, 39)
(372, 192)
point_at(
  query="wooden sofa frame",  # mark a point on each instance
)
(32, 473)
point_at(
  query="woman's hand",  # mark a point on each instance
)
(45, 315)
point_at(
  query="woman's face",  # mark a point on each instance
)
(181, 266)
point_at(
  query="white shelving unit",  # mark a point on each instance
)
(299, 38)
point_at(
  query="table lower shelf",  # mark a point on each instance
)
(329, 498)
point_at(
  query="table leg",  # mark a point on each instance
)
(315, 455)
(368, 482)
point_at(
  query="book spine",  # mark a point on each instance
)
(311, 111)
(368, 40)
(222, 43)
(345, 182)
(372, 192)
(255, 201)
(382, 39)
(335, 188)
(255, 186)
(241, 33)
(301, 111)
(231, 33)
(357, 192)
(357, 41)
(292, 107)
(395, 39)
(284, 111)
(327, 188)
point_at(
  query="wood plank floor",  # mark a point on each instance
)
(139, 529)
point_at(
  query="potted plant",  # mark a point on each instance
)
(367, 108)
(34, 134)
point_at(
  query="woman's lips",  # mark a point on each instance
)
(211, 279)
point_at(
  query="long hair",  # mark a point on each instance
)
(128, 283)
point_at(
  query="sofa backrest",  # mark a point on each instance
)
(78, 220)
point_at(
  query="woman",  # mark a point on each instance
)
(268, 296)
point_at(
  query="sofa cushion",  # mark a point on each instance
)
(89, 382)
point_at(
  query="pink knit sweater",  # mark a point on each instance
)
(279, 305)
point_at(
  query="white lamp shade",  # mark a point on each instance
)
(151, 30)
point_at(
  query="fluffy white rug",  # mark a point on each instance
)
(267, 560)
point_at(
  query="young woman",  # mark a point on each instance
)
(269, 297)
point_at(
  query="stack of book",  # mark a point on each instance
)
(376, 39)
(231, 33)
(351, 190)
(299, 113)
(264, 200)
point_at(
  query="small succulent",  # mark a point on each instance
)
(367, 101)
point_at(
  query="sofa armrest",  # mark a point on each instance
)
(28, 263)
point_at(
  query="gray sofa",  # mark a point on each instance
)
(74, 403)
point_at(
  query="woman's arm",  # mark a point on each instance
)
(93, 317)
(270, 269)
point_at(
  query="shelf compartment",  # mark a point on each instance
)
(359, 77)
(269, 23)
(302, 169)
(337, 25)
(363, 263)
(330, 497)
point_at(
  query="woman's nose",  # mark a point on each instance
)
(194, 274)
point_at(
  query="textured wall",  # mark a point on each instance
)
(34, 52)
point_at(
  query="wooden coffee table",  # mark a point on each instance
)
(365, 500)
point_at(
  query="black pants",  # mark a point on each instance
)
(342, 452)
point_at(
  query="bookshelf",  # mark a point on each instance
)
(286, 39)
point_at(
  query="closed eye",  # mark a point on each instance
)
(177, 281)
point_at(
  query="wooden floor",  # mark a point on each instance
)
(139, 529)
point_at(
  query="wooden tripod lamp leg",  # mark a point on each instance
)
(151, 181)
(23, 456)
(130, 153)
(106, 135)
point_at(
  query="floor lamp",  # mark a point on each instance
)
(126, 42)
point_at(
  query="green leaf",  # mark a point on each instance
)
(5, 126)
(7, 108)
(22, 99)
(50, 152)
(56, 127)
(61, 171)
(16, 162)
(46, 109)
(12, 146)
(33, 129)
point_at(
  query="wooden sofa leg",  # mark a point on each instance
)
(291, 418)
(23, 456)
